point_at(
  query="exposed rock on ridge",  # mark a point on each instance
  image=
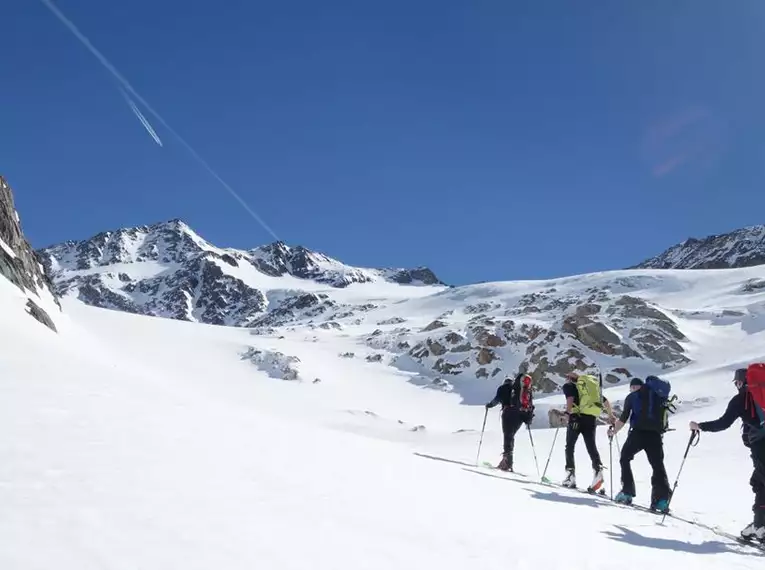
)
(18, 261)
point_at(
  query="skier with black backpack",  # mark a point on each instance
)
(748, 404)
(515, 395)
(584, 404)
(646, 408)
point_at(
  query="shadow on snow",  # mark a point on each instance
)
(707, 547)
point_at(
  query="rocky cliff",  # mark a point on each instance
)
(18, 261)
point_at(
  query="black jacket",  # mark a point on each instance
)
(509, 395)
(738, 407)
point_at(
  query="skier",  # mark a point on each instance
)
(748, 405)
(644, 410)
(584, 402)
(517, 409)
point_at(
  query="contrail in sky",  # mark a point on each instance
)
(144, 121)
(129, 89)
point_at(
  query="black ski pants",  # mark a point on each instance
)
(650, 442)
(584, 425)
(512, 420)
(757, 481)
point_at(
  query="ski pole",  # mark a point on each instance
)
(695, 435)
(544, 479)
(533, 449)
(486, 415)
(611, 463)
(618, 448)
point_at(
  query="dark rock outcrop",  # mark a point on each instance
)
(740, 248)
(18, 261)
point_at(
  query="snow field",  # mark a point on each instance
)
(141, 443)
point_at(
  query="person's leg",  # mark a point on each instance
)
(757, 481)
(588, 428)
(654, 450)
(572, 435)
(511, 422)
(631, 447)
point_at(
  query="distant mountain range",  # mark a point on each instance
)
(740, 248)
(405, 318)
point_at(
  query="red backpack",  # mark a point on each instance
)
(526, 400)
(755, 398)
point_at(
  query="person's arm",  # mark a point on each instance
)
(494, 400)
(568, 391)
(722, 423)
(622, 420)
(609, 410)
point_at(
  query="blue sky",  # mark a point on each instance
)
(489, 140)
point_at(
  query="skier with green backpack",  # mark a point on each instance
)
(584, 405)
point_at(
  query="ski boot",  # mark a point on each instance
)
(660, 506)
(756, 530)
(753, 533)
(506, 464)
(624, 498)
(597, 482)
(570, 480)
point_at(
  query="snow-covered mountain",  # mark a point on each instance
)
(451, 339)
(741, 248)
(167, 270)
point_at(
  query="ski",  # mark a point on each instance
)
(488, 465)
(599, 493)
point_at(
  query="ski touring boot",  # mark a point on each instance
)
(597, 482)
(506, 464)
(623, 498)
(660, 506)
(754, 533)
(570, 480)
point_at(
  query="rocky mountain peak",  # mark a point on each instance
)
(167, 269)
(18, 261)
(169, 242)
(741, 248)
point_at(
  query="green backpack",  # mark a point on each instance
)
(590, 401)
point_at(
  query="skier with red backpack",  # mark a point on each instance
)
(748, 404)
(517, 409)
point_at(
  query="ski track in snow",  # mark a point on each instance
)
(131, 442)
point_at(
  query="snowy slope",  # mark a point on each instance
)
(133, 442)
(741, 248)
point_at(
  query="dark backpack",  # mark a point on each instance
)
(755, 400)
(653, 405)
